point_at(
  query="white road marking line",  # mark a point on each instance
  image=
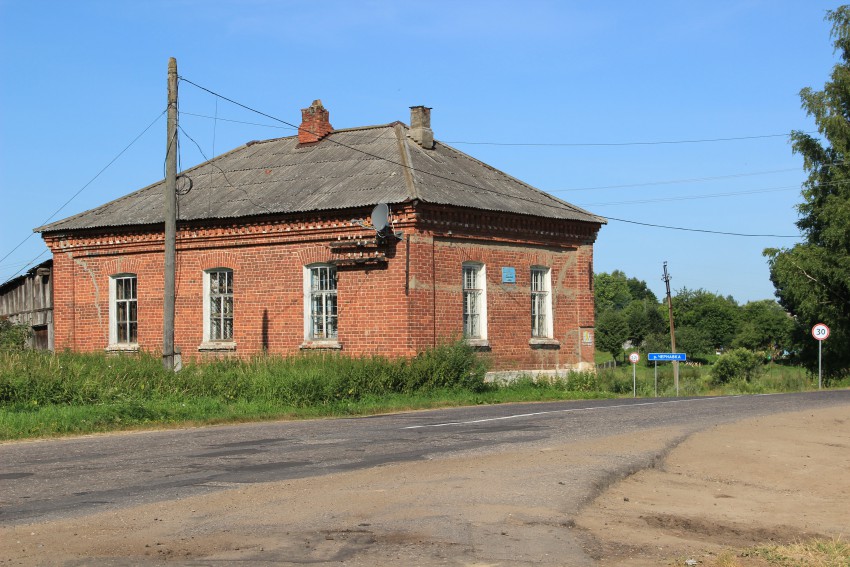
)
(569, 410)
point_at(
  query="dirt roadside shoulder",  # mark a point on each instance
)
(777, 479)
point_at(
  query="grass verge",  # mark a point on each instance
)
(43, 394)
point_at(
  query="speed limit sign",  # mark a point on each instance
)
(634, 358)
(820, 332)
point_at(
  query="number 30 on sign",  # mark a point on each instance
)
(820, 332)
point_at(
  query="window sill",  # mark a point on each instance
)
(223, 346)
(544, 343)
(478, 344)
(122, 348)
(321, 345)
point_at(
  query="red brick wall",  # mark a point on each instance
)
(393, 308)
(508, 305)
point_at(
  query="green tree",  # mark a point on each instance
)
(694, 341)
(643, 319)
(812, 279)
(765, 326)
(715, 317)
(611, 291)
(640, 291)
(612, 330)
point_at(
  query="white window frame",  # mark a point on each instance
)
(215, 343)
(113, 310)
(541, 302)
(310, 336)
(474, 294)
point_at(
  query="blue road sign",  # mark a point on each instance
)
(667, 356)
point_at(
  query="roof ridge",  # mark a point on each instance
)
(370, 127)
(406, 162)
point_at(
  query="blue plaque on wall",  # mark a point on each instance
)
(508, 275)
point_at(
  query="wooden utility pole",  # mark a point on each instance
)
(666, 279)
(170, 212)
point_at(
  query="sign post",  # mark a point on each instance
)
(820, 332)
(634, 358)
(655, 362)
(674, 357)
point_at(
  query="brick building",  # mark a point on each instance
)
(278, 251)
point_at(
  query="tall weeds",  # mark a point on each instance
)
(31, 379)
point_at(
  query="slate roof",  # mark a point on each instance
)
(349, 168)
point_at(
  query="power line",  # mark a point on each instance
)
(678, 181)
(74, 196)
(28, 264)
(247, 196)
(236, 121)
(702, 230)
(13, 265)
(617, 144)
(730, 194)
(693, 197)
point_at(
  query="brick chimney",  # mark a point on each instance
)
(420, 126)
(314, 123)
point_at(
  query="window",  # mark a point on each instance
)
(218, 305)
(541, 303)
(474, 302)
(320, 304)
(123, 310)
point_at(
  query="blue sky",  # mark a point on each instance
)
(568, 96)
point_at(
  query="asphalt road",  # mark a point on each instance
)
(54, 479)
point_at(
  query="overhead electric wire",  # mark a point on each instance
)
(730, 194)
(28, 264)
(692, 197)
(702, 230)
(74, 196)
(238, 121)
(564, 206)
(678, 181)
(614, 144)
(247, 196)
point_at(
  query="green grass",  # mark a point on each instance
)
(814, 553)
(43, 394)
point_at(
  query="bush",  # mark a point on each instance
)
(13, 336)
(614, 381)
(738, 363)
(581, 382)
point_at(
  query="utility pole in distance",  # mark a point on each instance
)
(170, 213)
(666, 279)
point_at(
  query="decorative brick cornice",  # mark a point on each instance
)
(291, 229)
(329, 227)
(506, 227)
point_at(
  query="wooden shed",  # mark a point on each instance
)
(28, 299)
